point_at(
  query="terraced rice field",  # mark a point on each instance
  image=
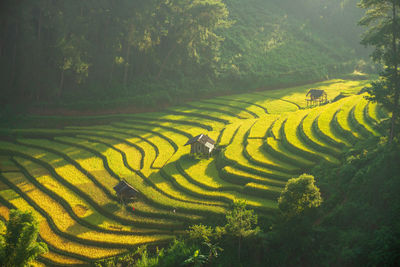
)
(66, 175)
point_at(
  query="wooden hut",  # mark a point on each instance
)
(201, 144)
(125, 191)
(316, 97)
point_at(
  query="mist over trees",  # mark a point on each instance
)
(101, 50)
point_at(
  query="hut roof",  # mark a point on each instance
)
(201, 138)
(124, 188)
(316, 92)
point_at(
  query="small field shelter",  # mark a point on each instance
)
(316, 97)
(125, 191)
(202, 144)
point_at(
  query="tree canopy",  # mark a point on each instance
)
(300, 194)
(18, 242)
(383, 34)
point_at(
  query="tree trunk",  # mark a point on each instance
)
(239, 248)
(126, 71)
(165, 60)
(61, 83)
(3, 35)
(39, 24)
(395, 76)
(14, 58)
(111, 74)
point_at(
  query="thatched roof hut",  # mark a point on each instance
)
(125, 191)
(201, 144)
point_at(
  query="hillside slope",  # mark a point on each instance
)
(277, 42)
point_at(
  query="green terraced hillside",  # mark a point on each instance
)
(65, 176)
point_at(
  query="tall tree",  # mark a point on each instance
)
(384, 34)
(241, 223)
(300, 194)
(18, 245)
(190, 28)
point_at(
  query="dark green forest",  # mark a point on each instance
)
(90, 54)
(126, 55)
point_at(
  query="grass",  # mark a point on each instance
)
(66, 224)
(289, 134)
(344, 114)
(359, 116)
(233, 155)
(259, 156)
(85, 251)
(263, 139)
(324, 124)
(261, 128)
(254, 110)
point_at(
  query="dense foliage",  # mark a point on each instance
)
(144, 53)
(383, 33)
(18, 240)
(356, 225)
(300, 195)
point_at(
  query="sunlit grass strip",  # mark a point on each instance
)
(236, 176)
(120, 216)
(343, 117)
(204, 173)
(307, 136)
(125, 148)
(195, 112)
(70, 201)
(278, 106)
(257, 110)
(148, 149)
(324, 129)
(210, 107)
(110, 155)
(290, 139)
(211, 171)
(170, 192)
(248, 98)
(254, 202)
(164, 125)
(356, 125)
(261, 190)
(360, 112)
(149, 191)
(58, 259)
(274, 146)
(233, 156)
(82, 209)
(173, 190)
(336, 127)
(65, 170)
(235, 109)
(83, 161)
(176, 119)
(254, 152)
(161, 144)
(80, 251)
(132, 142)
(66, 226)
(333, 87)
(262, 125)
(229, 132)
(169, 131)
(370, 116)
(120, 138)
(166, 147)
